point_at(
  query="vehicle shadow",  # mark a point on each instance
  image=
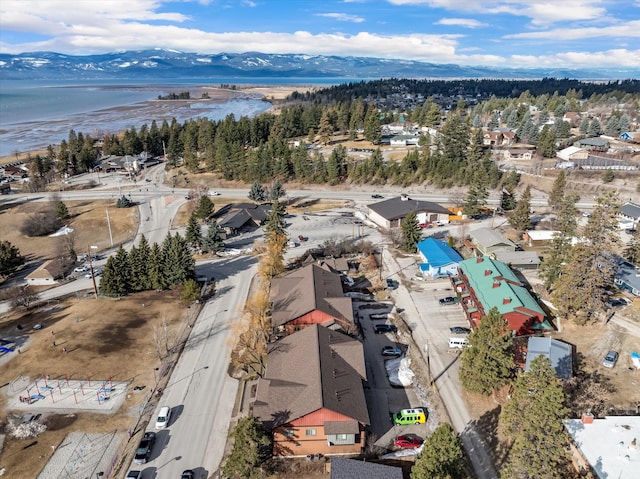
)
(176, 412)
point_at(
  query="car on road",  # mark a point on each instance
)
(148, 180)
(391, 351)
(610, 359)
(302, 238)
(385, 328)
(448, 300)
(134, 475)
(459, 330)
(145, 447)
(390, 283)
(408, 441)
(164, 417)
(214, 193)
(410, 416)
(81, 269)
(187, 474)
(615, 302)
(377, 196)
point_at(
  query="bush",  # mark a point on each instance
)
(40, 224)
(124, 202)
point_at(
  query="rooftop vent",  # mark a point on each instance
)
(506, 300)
(487, 272)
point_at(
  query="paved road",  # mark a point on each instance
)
(200, 391)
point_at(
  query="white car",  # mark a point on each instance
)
(164, 416)
(214, 193)
(81, 269)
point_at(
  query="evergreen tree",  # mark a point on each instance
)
(193, 235)
(325, 128)
(179, 265)
(547, 142)
(520, 218)
(251, 447)
(441, 456)
(433, 116)
(486, 364)
(10, 258)
(411, 233)
(632, 252)
(123, 202)
(142, 268)
(62, 212)
(135, 264)
(477, 194)
(116, 277)
(275, 225)
(212, 242)
(257, 193)
(372, 127)
(277, 191)
(594, 128)
(205, 208)
(156, 274)
(494, 122)
(608, 176)
(557, 254)
(557, 191)
(584, 125)
(532, 420)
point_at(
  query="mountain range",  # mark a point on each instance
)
(172, 64)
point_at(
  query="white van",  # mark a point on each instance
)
(163, 417)
(457, 343)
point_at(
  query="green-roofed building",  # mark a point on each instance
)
(484, 283)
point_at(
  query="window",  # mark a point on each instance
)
(287, 432)
(341, 439)
(311, 432)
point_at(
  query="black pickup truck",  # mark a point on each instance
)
(144, 448)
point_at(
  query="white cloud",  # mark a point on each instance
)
(461, 22)
(541, 12)
(342, 17)
(629, 29)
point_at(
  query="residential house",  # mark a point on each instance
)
(336, 265)
(311, 396)
(559, 353)
(631, 136)
(572, 117)
(630, 212)
(404, 140)
(518, 259)
(488, 240)
(15, 172)
(438, 258)
(538, 237)
(309, 295)
(239, 217)
(607, 447)
(492, 138)
(593, 144)
(627, 276)
(517, 154)
(572, 153)
(344, 468)
(45, 274)
(389, 213)
(484, 283)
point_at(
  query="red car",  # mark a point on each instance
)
(409, 441)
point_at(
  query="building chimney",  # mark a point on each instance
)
(496, 284)
(506, 300)
(487, 272)
(479, 259)
(587, 418)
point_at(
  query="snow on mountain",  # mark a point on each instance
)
(166, 63)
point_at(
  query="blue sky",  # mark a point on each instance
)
(506, 33)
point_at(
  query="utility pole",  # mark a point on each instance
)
(93, 276)
(109, 225)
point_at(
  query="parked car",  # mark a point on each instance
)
(145, 447)
(610, 359)
(164, 417)
(459, 330)
(134, 475)
(187, 474)
(214, 193)
(384, 328)
(390, 283)
(448, 300)
(410, 416)
(81, 269)
(391, 351)
(302, 238)
(614, 302)
(409, 441)
(377, 196)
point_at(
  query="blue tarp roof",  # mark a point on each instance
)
(438, 253)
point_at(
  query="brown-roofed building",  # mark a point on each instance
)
(45, 274)
(311, 396)
(235, 218)
(390, 213)
(309, 295)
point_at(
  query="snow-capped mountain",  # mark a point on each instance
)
(172, 64)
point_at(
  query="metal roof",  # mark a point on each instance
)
(398, 207)
(438, 253)
(343, 468)
(560, 354)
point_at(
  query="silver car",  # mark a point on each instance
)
(610, 359)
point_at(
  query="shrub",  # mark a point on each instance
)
(40, 224)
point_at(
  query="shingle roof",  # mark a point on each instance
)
(307, 289)
(343, 468)
(632, 210)
(560, 354)
(395, 208)
(489, 237)
(494, 282)
(517, 257)
(312, 369)
(438, 253)
(235, 216)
